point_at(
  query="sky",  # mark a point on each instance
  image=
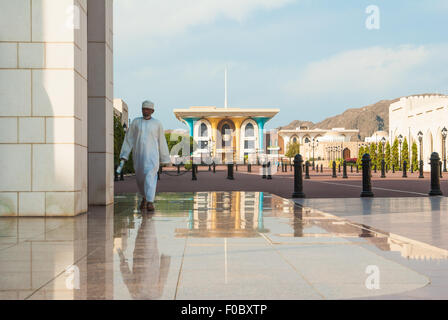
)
(312, 59)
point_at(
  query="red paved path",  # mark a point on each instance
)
(321, 185)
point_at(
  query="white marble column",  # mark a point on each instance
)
(100, 102)
(43, 107)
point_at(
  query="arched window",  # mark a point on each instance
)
(225, 128)
(307, 140)
(294, 140)
(249, 138)
(203, 130)
(203, 136)
(249, 131)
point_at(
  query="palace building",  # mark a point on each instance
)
(227, 134)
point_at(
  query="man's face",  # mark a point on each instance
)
(147, 112)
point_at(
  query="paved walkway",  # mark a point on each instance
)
(230, 245)
(321, 185)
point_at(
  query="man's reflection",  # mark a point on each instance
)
(149, 271)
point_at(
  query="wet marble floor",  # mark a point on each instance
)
(220, 245)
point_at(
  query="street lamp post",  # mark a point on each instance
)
(444, 133)
(383, 142)
(400, 141)
(420, 140)
(313, 143)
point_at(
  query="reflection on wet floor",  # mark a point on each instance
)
(213, 245)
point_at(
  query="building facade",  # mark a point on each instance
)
(322, 144)
(227, 134)
(121, 111)
(427, 115)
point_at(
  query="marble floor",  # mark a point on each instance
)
(230, 245)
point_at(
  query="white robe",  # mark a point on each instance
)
(147, 140)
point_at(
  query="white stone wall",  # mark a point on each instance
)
(428, 114)
(43, 107)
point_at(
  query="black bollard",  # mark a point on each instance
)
(412, 168)
(374, 168)
(321, 168)
(383, 169)
(435, 176)
(405, 169)
(269, 176)
(209, 167)
(420, 169)
(334, 170)
(178, 168)
(193, 172)
(339, 167)
(440, 169)
(290, 167)
(236, 166)
(230, 171)
(393, 168)
(263, 166)
(357, 169)
(344, 167)
(249, 167)
(307, 170)
(366, 177)
(298, 179)
(214, 167)
(351, 169)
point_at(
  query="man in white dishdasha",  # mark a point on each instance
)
(150, 150)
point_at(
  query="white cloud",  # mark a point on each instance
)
(159, 18)
(368, 70)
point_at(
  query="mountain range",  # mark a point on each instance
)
(367, 119)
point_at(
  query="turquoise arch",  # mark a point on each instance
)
(191, 122)
(261, 122)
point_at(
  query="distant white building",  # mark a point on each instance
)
(377, 137)
(121, 110)
(425, 114)
(324, 144)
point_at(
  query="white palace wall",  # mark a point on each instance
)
(428, 114)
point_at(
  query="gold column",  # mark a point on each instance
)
(237, 122)
(214, 123)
